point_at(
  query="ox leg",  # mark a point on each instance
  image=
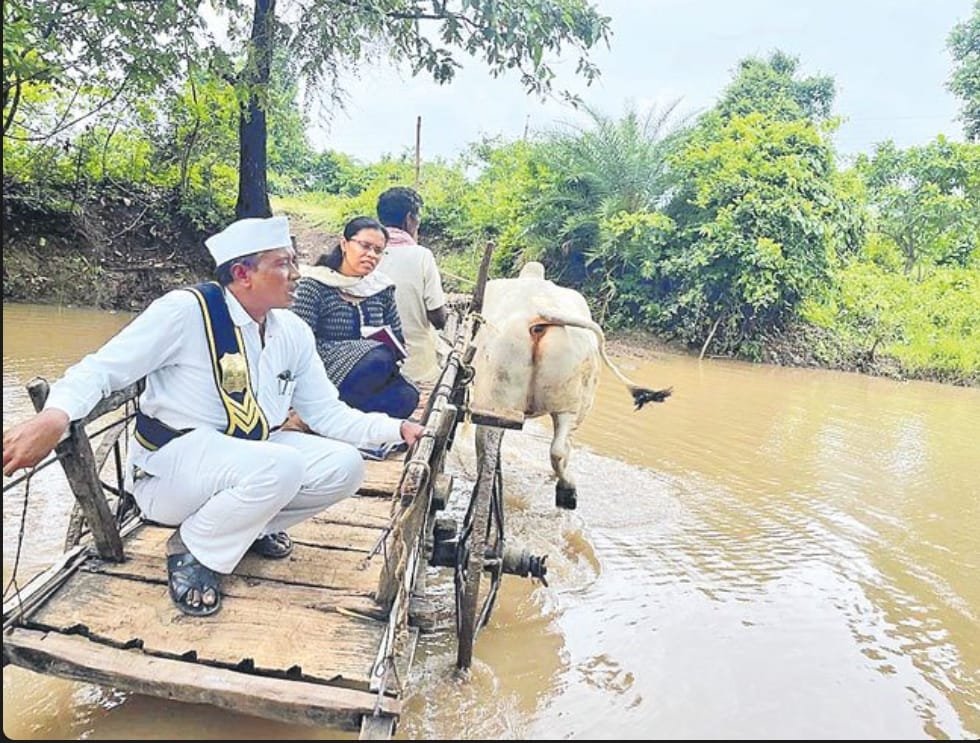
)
(561, 449)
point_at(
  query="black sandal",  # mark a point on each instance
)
(276, 546)
(186, 574)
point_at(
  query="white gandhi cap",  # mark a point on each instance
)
(248, 236)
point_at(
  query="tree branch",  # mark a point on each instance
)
(9, 118)
(62, 125)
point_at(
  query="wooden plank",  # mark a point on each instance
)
(278, 699)
(38, 588)
(415, 493)
(336, 536)
(314, 566)
(409, 644)
(482, 276)
(419, 469)
(347, 599)
(78, 461)
(465, 345)
(359, 511)
(267, 630)
(311, 566)
(401, 544)
(119, 429)
(381, 477)
(76, 521)
(415, 497)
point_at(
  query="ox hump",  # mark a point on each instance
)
(532, 270)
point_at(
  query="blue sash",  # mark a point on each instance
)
(231, 376)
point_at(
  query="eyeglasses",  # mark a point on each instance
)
(368, 247)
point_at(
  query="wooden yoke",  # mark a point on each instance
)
(78, 461)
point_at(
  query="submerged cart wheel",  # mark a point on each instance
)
(480, 548)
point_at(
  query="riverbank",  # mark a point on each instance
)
(802, 345)
(795, 348)
(117, 249)
(124, 249)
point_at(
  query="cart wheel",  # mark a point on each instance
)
(480, 547)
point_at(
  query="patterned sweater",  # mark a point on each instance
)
(336, 323)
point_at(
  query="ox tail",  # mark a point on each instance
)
(641, 395)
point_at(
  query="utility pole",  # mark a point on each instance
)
(418, 157)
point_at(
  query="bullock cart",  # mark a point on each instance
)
(324, 637)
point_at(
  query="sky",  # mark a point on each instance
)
(888, 58)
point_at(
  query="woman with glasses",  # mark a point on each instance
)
(343, 299)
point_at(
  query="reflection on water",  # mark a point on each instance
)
(771, 553)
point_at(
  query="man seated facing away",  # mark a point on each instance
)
(223, 362)
(418, 285)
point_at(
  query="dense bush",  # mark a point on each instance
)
(926, 324)
(720, 232)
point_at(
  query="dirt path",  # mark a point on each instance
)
(311, 241)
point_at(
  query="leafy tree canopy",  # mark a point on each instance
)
(760, 220)
(925, 198)
(83, 46)
(119, 44)
(964, 44)
(524, 35)
(771, 87)
(589, 174)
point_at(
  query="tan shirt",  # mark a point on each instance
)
(418, 289)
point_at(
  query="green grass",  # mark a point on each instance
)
(927, 325)
(316, 209)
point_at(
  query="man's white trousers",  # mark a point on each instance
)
(226, 492)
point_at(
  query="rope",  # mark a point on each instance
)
(382, 669)
(20, 543)
(382, 542)
(380, 545)
(398, 508)
(122, 421)
(32, 470)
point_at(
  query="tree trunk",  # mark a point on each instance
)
(253, 134)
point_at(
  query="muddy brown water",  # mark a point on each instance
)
(773, 553)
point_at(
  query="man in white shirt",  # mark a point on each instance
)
(418, 285)
(224, 363)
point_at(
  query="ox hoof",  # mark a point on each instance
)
(566, 498)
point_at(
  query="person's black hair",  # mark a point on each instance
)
(363, 223)
(332, 259)
(223, 272)
(397, 203)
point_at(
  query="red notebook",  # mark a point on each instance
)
(385, 335)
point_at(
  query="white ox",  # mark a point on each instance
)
(538, 352)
